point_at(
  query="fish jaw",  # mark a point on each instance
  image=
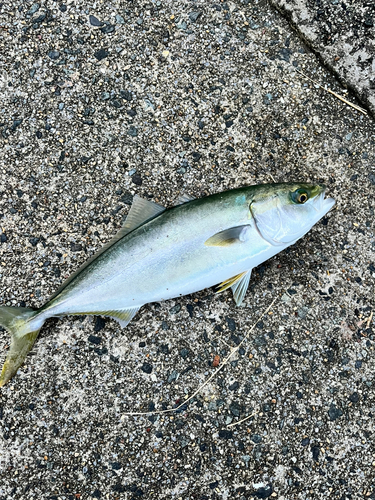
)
(323, 205)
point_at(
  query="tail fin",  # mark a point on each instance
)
(23, 334)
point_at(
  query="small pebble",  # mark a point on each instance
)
(94, 21)
(101, 54)
(146, 368)
(334, 413)
(193, 16)
(132, 131)
(54, 54)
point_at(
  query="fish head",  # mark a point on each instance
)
(283, 213)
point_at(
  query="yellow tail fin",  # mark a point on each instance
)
(23, 334)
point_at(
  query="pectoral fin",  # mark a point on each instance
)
(229, 237)
(239, 284)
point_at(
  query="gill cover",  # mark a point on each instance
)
(267, 216)
(280, 221)
(285, 215)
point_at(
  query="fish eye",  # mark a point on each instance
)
(300, 196)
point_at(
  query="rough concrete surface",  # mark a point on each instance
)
(343, 34)
(160, 98)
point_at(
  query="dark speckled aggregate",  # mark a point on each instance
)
(159, 98)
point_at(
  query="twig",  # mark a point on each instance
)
(171, 410)
(358, 108)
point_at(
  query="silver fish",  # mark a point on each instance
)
(160, 254)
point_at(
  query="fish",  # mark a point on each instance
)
(160, 254)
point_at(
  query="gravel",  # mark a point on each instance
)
(216, 103)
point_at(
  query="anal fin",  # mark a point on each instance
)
(123, 316)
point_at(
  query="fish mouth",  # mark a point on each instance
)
(321, 204)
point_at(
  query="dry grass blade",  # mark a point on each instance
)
(368, 322)
(225, 361)
(358, 108)
(243, 420)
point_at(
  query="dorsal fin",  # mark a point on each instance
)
(140, 212)
(183, 198)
